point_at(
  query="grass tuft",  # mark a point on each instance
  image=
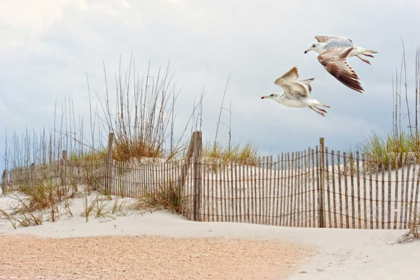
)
(241, 154)
(118, 208)
(413, 228)
(394, 149)
(103, 209)
(163, 198)
(89, 206)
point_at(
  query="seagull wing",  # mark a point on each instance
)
(325, 39)
(334, 61)
(307, 83)
(291, 85)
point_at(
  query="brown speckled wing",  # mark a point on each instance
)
(334, 61)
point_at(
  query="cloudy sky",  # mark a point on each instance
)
(48, 46)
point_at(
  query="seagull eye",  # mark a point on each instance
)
(313, 46)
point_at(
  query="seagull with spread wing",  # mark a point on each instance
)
(296, 93)
(333, 52)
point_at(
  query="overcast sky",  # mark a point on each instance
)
(47, 47)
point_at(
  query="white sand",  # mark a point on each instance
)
(342, 253)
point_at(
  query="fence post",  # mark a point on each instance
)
(321, 184)
(63, 168)
(186, 166)
(108, 180)
(198, 146)
(4, 182)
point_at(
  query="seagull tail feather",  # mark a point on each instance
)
(370, 51)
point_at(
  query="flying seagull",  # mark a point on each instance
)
(297, 93)
(333, 52)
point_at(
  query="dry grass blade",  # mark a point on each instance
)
(9, 218)
(89, 206)
(118, 208)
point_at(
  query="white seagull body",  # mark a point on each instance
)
(333, 52)
(297, 94)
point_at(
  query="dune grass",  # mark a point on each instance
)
(39, 198)
(238, 153)
(164, 198)
(393, 149)
(22, 214)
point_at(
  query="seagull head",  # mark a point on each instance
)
(271, 96)
(314, 47)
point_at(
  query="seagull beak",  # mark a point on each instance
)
(264, 97)
(308, 50)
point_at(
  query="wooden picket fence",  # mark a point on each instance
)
(311, 188)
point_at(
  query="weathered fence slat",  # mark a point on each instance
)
(295, 190)
(371, 197)
(248, 193)
(402, 205)
(277, 216)
(287, 191)
(415, 216)
(283, 189)
(260, 193)
(290, 197)
(321, 183)
(411, 212)
(396, 193)
(318, 187)
(208, 199)
(340, 197)
(218, 192)
(407, 188)
(232, 197)
(292, 190)
(310, 186)
(300, 190)
(314, 189)
(239, 185)
(346, 189)
(334, 190)
(305, 170)
(226, 192)
(383, 194)
(328, 191)
(377, 195)
(353, 212)
(364, 191)
(254, 174)
(359, 210)
(261, 187)
(266, 192)
(272, 188)
(296, 196)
